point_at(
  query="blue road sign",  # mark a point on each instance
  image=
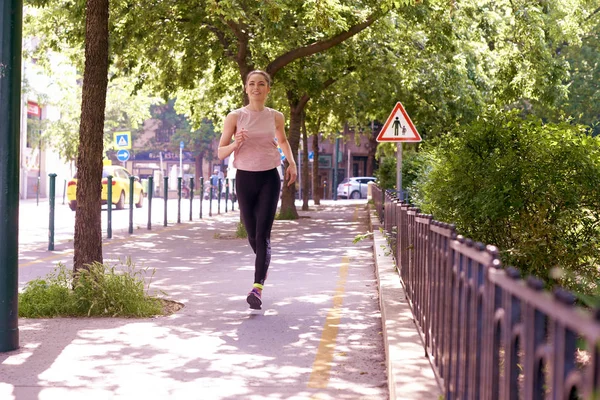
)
(122, 139)
(311, 155)
(123, 155)
(181, 144)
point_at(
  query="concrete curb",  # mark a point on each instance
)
(410, 374)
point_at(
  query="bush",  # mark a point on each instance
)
(97, 291)
(412, 164)
(531, 189)
(386, 173)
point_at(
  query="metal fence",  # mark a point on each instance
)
(488, 333)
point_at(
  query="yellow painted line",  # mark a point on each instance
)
(321, 369)
(45, 259)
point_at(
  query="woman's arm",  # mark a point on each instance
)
(226, 146)
(291, 172)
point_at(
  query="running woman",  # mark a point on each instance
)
(256, 131)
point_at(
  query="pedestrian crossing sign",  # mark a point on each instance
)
(398, 127)
(122, 140)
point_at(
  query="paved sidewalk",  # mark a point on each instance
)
(319, 335)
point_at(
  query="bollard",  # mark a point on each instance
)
(191, 195)
(109, 206)
(131, 182)
(219, 198)
(210, 201)
(166, 191)
(232, 197)
(226, 194)
(201, 194)
(51, 222)
(179, 179)
(150, 192)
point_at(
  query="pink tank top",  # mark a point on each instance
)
(259, 151)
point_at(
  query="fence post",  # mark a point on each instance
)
(52, 206)
(109, 206)
(233, 192)
(220, 187)
(165, 197)
(179, 180)
(150, 193)
(210, 198)
(226, 194)
(201, 194)
(191, 196)
(131, 183)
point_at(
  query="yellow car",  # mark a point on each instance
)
(120, 188)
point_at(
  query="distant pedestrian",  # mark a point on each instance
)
(214, 183)
(254, 129)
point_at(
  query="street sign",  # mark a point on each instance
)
(123, 155)
(181, 145)
(398, 127)
(122, 140)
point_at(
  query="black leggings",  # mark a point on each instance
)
(258, 195)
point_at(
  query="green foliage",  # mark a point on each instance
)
(286, 215)
(386, 174)
(363, 236)
(531, 189)
(100, 291)
(413, 165)
(240, 231)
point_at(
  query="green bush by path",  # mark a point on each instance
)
(100, 291)
(413, 163)
(531, 189)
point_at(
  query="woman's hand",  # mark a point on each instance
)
(240, 137)
(291, 173)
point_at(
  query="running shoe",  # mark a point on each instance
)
(254, 299)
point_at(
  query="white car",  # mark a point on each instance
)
(354, 188)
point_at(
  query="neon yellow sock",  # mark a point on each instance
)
(258, 286)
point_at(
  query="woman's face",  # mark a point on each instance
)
(257, 87)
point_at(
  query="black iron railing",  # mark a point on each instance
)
(489, 333)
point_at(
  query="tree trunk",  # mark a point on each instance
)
(199, 173)
(305, 176)
(88, 230)
(315, 168)
(372, 149)
(288, 195)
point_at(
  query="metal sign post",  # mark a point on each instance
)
(399, 171)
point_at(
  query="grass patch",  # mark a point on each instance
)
(100, 291)
(286, 216)
(240, 231)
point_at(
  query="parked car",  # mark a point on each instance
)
(354, 188)
(120, 188)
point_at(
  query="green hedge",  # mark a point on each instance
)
(532, 189)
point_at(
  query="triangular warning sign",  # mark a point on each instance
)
(398, 127)
(122, 141)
